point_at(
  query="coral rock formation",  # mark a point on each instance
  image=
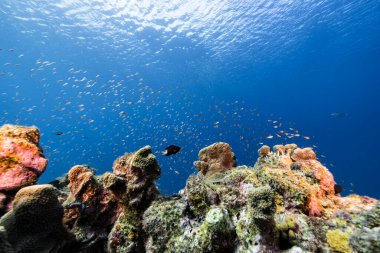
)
(21, 160)
(284, 203)
(132, 183)
(215, 158)
(90, 209)
(35, 222)
(138, 171)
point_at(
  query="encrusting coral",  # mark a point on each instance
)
(132, 184)
(286, 202)
(215, 158)
(35, 222)
(21, 161)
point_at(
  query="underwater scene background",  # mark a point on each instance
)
(102, 78)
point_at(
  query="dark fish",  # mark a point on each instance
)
(171, 150)
(338, 188)
(79, 205)
(59, 133)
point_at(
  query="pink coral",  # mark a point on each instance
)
(314, 206)
(28, 154)
(21, 158)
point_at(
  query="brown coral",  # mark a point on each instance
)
(132, 182)
(35, 223)
(215, 158)
(83, 186)
(279, 149)
(303, 154)
(289, 148)
(137, 167)
(264, 151)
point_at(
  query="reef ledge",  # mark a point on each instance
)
(286, 202)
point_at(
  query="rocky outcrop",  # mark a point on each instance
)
(215, 158)
(132, 183)
(21, 161)
(35, 222)
(286, 202)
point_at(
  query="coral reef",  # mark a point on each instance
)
(137, 172)
(35, 222)
(132, 184)
(21, 161)
(285, 203)
(215, 158)
(90, 209)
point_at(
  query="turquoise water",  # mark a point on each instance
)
(113, 76)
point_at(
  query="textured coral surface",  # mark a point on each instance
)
(35, 222)
(285, 202)
(21, 160)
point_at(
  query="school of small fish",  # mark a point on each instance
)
(89, 117)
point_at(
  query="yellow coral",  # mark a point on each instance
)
(339, 240)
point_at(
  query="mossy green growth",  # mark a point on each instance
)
(247, 232)
(144, 159)
(340, 222)
(272, 159)
(197, 195)
(288, 223)
(370, 218)
(339, 240)
(285, 185)
(269, 176)
(80, 234)
(215, 234)
(366, 241)
(125, 234)
(287, 229)
(189, 242)
(233, 189)
(162, 221)
(261, 201)
(217, 228)
(217, 220)
(243, 175)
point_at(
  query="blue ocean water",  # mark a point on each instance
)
(102, 78)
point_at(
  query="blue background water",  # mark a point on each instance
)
(114, 76)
